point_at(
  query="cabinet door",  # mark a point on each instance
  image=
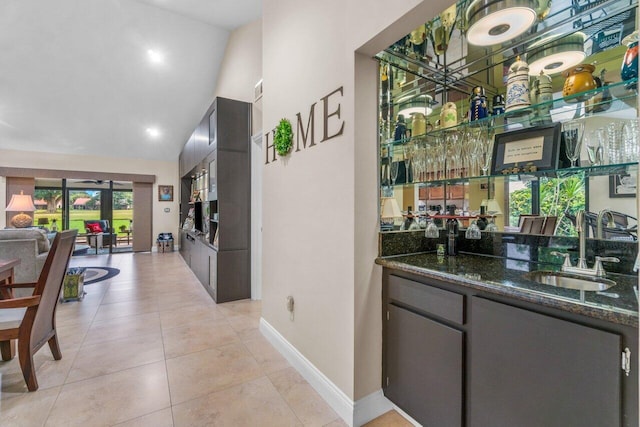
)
(533, 370)
(424, 368)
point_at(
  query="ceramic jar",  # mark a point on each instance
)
(578, 79)
(629, 68)
(518, 86)
(542, 93)
(478, 105)
(448, 115)
(498, 105)
(418, 124)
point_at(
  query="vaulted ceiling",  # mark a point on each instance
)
(121, 78)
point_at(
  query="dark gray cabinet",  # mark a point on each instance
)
(531, 370)
(456, 356)
(424, 376)
(220, 145)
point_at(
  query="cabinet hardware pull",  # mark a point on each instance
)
(387, 314)
(626, 361)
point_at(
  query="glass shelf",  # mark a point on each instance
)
(623, 94)
(588, 18)
(588, 171)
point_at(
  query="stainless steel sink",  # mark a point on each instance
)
(571, 281)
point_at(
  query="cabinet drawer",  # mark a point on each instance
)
(441, 303)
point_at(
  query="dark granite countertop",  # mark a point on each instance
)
(507, 277)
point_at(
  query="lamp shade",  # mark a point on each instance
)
(492, 207)
(420, 104)
(555, 56)
(390, 209)
(494, 22)
(21, 203)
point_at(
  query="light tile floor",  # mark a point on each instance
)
(149, 347)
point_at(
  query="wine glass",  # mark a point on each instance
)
(432, 231)
(594, 146)
(408, 151)
(573, 133)
(394, 172)
(473, 232)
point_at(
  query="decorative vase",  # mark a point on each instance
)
(578, 79)
(518, 86)
(448, 115)
(629, 68)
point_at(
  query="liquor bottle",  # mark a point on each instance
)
(452, 233)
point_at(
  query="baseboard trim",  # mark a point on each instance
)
(353, 413)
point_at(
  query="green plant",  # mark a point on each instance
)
(283, 137)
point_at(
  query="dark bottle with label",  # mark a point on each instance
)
(452, 234)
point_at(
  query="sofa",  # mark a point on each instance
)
(30, 245)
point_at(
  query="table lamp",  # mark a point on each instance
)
(493, 210)
(21, 203)
(389, 212)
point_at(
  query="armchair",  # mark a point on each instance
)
(109, 238)
(31, 320)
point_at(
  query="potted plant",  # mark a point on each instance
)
(283, 137)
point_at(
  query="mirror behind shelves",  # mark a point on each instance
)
(436, 71)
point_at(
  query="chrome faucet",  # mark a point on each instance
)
(611, 223)
(581, 228)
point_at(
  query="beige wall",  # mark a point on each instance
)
(320, 204)
(166, 174)
(242, 65)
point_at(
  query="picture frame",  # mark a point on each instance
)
(165, 193)
(622, 185)
(527, 150)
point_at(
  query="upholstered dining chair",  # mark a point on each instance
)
(31, 319)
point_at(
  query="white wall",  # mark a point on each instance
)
(166, 174)
(320, 204)
(242, 64)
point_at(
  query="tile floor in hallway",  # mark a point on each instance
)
(149, 347)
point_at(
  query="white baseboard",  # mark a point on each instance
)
(353, 413)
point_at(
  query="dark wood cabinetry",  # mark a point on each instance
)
(456, 356)
(532, 370)
(220, 148)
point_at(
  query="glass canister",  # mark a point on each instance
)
(629, 68)
(578, 79)
(518, 86)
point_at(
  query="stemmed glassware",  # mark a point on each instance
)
(473, 232)
(573, 132)
(393, 166)
(408, 150)
(595, 146)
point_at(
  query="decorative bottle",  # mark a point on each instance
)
(452, 233)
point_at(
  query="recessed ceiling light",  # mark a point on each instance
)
(153, 132)
(555, 56)
(155, 57)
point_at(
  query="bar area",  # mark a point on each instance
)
(508, 167)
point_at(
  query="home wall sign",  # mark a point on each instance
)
(304, 134)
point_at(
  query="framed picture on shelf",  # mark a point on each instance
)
(622, 185)
(165, 193)
(527, 150)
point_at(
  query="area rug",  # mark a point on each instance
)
(98, 274)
